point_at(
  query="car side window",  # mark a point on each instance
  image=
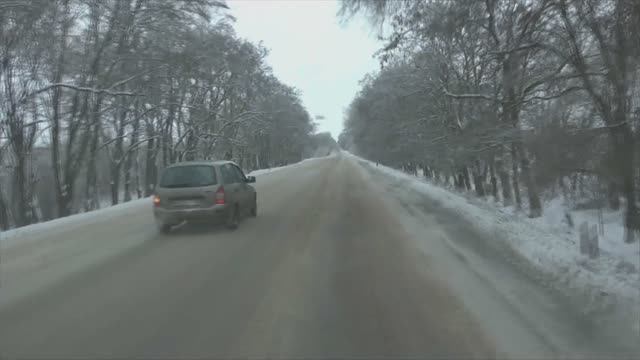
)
(228, 175)
(239, 174)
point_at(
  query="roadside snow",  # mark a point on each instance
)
(68, 223)
(37, 255)
(611, 243)
(302, 162)
(290, 166)
(550, 246)
(266, 171)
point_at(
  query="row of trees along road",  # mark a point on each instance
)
(99, 94)
(507, 96)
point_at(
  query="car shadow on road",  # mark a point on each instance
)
(196, 229)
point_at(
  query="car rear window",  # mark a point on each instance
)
(188, 176)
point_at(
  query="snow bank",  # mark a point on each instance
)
(269, 170)
(547, 244)
(611, 243)
(70, 222)
(290, 166)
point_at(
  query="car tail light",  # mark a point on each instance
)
(220, 196)
(156, 200)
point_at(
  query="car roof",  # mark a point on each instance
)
(201, 162)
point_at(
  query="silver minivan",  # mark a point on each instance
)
(203, 191)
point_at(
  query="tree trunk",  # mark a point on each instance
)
(458, 182)
(139, 192)
(5, 221)
(516, 182)
(4, 214)
(127, 171)
(623, 148)
(465, 178)
(92, 201)
(191, 145)
(90, 188)
(115, 183)
(150, 172)
(167, 127)
(127, 175)
(19, 192)
(477, 181)
(131, 155)
(563, 188)
(59, 187)
(505, 182)
(535, 205)
(613, 195)
(116, 162)
(574, 185)
(494, 180)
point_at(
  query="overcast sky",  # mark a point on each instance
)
(311, 50)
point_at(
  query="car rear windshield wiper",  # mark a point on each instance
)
(187, 185)
(179, 185)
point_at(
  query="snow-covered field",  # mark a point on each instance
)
(610, 283)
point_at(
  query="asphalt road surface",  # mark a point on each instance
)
(326, 270)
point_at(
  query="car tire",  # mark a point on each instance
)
(165, 228)
(254, 209)
(233, 218)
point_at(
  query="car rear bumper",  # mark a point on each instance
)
(215, 213)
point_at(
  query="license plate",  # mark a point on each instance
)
(186, 203)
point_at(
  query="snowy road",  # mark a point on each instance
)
(334, 265)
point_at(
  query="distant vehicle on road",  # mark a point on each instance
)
(205, 192)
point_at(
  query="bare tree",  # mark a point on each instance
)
(493, 83)
(112, 91)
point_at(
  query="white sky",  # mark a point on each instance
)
(311, 50)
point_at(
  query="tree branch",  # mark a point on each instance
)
(555, 96)
(519, 48)
(133, 147)
(469, 96)
(490, 7)
(79, 88)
